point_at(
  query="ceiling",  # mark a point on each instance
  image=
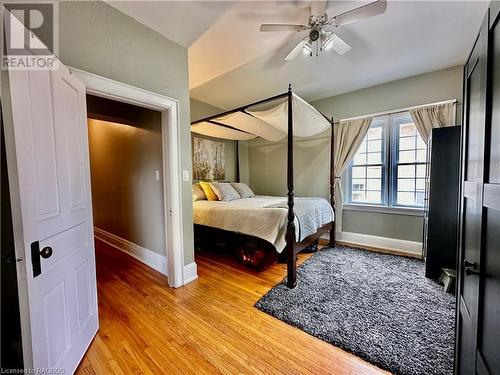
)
(231, 63)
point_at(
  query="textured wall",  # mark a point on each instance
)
(97, 38)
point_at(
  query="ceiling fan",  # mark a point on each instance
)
(318, 35)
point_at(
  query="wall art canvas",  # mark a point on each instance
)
(209, 159)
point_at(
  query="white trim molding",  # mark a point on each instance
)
(411, 248)
(169, 108)
(190, 272)
(391, 210)
(148, 257)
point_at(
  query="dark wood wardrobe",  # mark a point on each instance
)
(478, 295)
(441, 204)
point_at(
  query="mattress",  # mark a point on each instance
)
(264, 217)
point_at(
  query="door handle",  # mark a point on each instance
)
(470, 268)
(45, 253)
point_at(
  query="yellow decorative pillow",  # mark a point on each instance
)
(211, 196)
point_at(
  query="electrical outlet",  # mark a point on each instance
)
(185, 175)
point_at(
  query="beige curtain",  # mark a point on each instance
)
(348, 137)
(433, 116)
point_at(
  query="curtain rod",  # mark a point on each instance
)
(399, 110)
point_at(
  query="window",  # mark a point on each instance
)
(409, 156)
(389, 167)
(367, 169)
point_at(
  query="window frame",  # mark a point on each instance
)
(390, 149)
(396, 122)
(383, 121)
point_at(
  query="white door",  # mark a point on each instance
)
(49, 128)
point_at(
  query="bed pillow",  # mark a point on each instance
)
(224, 191)
(198, 193)
(243, 189)
(211, 196)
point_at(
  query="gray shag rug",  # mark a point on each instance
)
(377, 306)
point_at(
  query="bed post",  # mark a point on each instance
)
(237, 161)
(332, 183)
(290, 229)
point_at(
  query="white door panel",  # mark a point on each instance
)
(51, 152)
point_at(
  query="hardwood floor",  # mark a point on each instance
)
(206, 327)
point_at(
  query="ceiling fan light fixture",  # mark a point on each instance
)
(320, 35)
(307, 49)
(327, 44)
(314, 34)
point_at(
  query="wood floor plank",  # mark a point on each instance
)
(207, 327)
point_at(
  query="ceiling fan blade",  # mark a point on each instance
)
(318, 8)
(294, 47)
(267, 27)
(337, 44)
(365, 11)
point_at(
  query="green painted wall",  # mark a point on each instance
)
(267, 161)
(127, 200)
(201, 110)
(97, 38)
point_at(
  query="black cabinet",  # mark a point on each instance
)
(442, 197)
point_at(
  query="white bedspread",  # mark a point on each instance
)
(254, 217)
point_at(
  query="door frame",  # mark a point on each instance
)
(172, 189)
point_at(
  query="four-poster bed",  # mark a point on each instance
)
(289, 116)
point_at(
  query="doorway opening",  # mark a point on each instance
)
(127, 178)
(178, 274)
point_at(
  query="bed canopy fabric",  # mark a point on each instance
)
(268, 122)
(281, 116)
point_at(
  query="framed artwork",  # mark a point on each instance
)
(209, 159)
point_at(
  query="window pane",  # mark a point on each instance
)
(359, 158)
(374, 146)
(407, 143)
(406, 130)
(411, 150)
(421, 155)
(420, 184)
(420, 142)
(374, 184)
(362, 146)
(406, 199)
(406, 184)
(407, 156)
(358, 172)
(373, 197)
(419, 201)
(406, 171)
(367, 166)
(421, 170)
(374, 158)
(358, 184)
(374, 172)
(375, 133)
(358, 196)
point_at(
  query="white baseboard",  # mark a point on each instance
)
(190, 273)
(146, 256)
(412, 248)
